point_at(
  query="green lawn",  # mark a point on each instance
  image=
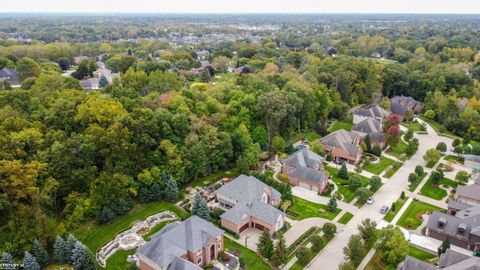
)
(376, 263)
(392, 170)
(118, 261)
(94, 236)
(312, 136)
(207, 180)
(415, 126)
(251, 259)
(399, 150)
(343, 188)
(411, 218)
(420, 254)
(336, 125)
(455, 159)
(298, 266)
(415, 184)
(345, 218)
(306, 209)
(398, 205)
(379, 167)
(436, 192)
(155, 229)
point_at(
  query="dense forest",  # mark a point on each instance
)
(68, 157)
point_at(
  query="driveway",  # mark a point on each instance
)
(300, 227)
(332, 256)
(252, 235)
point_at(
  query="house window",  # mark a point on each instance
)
(219, 245)
(199, 260)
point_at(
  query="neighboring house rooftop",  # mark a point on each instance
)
(344, 140)
(374, 112)
(371, 127)
(10, 74)
(470, 192)
(465, 222)
(400, 104)
(450, 260)
(308, 165)
(174, 240)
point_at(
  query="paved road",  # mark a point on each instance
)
(332, 256)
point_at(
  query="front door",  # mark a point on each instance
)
(212, 252)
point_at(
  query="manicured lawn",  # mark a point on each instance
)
(298, 266)
(376, 264)
(154, 230)
(415, 126)
(94, 236)
(411, 218)
(312, 136)
(455, 159)
(343, 188)
(336, 125)
(436, 192)
(399, 150)
(118, 261)
(379, 167)
(251, 259)
(393, 169)
(345, 218)
(398, 205)
(420, 254)
(415, 184)
(207, 180)
(306, 209)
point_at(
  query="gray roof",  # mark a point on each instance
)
(175, 239)
(368, 126)
(247, 191)
(400, 104)
(316, 176)
(246, 188)
(470, 217)
(450, 260)
(344, 140)
(182, 264)
(374, 111)
(411, 263)
(458, 205)
(304, 158)
(470, 191)
(10, 73)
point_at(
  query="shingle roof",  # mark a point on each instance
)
(374, 111)
(256, 209)
(304, 158)
(175, 239)
(458, 205)
(450, 260)
(368, 126)
(470, 191)
(411, 263)
(470, 217)
(344, 140)
(400, 104)
(10, 73)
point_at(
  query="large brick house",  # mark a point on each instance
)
(450, 260)
(401, 104)
(372, 128)
(305, 168)
(375, 113)
(343, 146)
(186, 245)
(249, 203)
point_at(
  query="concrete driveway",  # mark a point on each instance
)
(300, 227)
(332, 256)
(253, 236)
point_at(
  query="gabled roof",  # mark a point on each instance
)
(175, 239)
(344, 140)
(400, 104)
(368, 126)
(304, 158)
(469, 217)
(256, 209)
(450, 260)
(316, 176)
(470, 191)
(246, 188)
(374, 111)
(10, 73)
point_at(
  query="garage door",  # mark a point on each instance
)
(259, 226)
(244, 227)
(308, 186)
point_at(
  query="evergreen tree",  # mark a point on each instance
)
(205, 76)
(287, 192)
(69, 246)
(419, 170)
(332, 203)
(368, 143)
(40, 253)
(444, 246)
(265, 245)
(59, 250)
(103, 82)
(77, 254)
(171, 190)
(30, 262)
(7, 258)
(200, 208)
(343, 172)
(280, 252)
(87, 259)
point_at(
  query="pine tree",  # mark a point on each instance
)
(265, 245)
(280, 252)
(368, 143)
(103, 82)
(287, 192)
(200, 208)
(444, 246)
(40, 253)
(30, 262)
(87, 259)
(59, 250)
(343, 172)
(171, 190)
(7, 258)
(69, 246)
(77, 255)
(332, 203)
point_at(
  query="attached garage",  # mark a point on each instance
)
(308, 186)
(245, 226)
(258, 226)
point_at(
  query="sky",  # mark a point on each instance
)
(244, 6)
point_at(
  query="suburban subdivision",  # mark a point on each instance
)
(227, 141)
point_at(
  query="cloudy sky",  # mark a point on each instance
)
(244, 6)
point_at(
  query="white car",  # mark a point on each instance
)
(370, 200)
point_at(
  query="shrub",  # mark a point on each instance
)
(303, 255)
(317, 243)
(442, 147)
(329, 229)
(419, 170)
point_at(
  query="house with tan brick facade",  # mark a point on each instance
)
(186, 245)
(305, 168)
(343, 146)
(249, 203)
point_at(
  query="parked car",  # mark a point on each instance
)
(370, 200)
(384, 209)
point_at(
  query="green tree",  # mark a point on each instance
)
(317, 147)
(419, 170)
(462, 177)
(200, 208)
(280, 251)
(278, 144)
(332, 203)
(103, 82)
(456, 142)
(317, 243)
(355, 250)
(40, 253)
(412, 178)
(466, 139)
(375, 182)
(27, 68)
(30, 262)
(444, 246)
(265, 244)
(171, 190)
(59, 250)
(303, 255)
(376, 150)
(432, 156)
(436, 177)
(329, 229)
(442, 147)
(362, 194)
(368, 143)
(354, 181)
(392, 245)
(409, 135)
(368, 231)
(343, 172)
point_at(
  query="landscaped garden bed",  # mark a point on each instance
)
(345, 218)
(437, 192)
(412, 217)
(378, 168)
